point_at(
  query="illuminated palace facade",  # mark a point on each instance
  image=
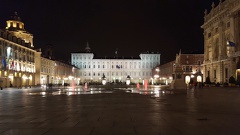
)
(23, 66)
(18, 57)
(114, 69)
(222, 41)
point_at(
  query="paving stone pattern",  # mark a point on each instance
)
(206, 111)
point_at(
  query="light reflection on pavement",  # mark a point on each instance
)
(94, 111)
(153, 91)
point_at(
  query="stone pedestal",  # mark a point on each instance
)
(178, 79)
(178, 84)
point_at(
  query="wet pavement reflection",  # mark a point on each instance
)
(119, 111)
(152, 91)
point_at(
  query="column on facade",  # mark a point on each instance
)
(220, 41)
(237, 32)
(213, 45)
(232, 31)
(221, 45)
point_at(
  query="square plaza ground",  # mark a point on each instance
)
(36, 111)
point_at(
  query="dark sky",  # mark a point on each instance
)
(132, 26)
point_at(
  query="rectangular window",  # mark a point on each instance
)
(215, 74)
(226, 73)
(187, 69)
(184, 68)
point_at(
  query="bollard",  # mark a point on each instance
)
(138, 86)
(85, 86)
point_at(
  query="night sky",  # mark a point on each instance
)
(132, 26)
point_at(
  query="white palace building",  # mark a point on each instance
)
(114, 69)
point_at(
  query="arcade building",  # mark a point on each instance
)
(222, 41)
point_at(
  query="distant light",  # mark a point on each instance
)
(104, 82)
(187, 79)
(127, 82)
(199, 78)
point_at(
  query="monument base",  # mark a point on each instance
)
(178, 84)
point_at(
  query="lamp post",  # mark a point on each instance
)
(156, 76)
(128, 80)
(104, 80)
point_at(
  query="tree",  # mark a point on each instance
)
(232, 80)
(208, 80)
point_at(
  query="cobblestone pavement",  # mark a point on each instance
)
(36, 111)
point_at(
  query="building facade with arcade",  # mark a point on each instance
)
(222, 41)
(58, 73)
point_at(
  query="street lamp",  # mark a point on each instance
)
(157, 69)
(104, 80)
(128, 80)
(156, 76)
